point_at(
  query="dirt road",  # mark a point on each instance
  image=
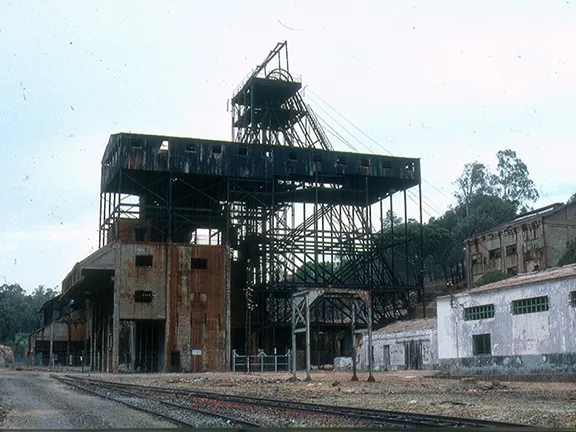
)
(30, 400)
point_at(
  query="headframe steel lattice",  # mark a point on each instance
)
(296, 214)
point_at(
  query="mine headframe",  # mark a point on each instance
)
(315, 230)
(267, 107)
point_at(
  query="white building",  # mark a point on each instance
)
(525, 324)
(402, 345)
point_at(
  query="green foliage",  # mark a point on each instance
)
(481, 213)
(512, 181)
(19, 314)
(475, 180)
(491, 276)
(572, 199)
(389, 218)
(569, 256)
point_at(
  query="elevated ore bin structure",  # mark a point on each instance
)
(203, 243)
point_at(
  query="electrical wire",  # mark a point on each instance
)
(369, 137)
(327, 125)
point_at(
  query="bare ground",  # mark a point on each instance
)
(539, 404)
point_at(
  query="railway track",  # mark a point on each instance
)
(181, 415)
(246, 405)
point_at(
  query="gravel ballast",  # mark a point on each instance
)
(532, 403)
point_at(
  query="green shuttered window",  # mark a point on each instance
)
(479, 312)
(530, 305)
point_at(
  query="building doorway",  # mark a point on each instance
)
(413, 354)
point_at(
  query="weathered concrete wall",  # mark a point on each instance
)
(194, 301)
(559, 229)
(539, 333)
(396, 348)
(523, 259)
(511, 365)
(130, 278)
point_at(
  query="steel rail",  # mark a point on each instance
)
(396, 418)
(69, 380)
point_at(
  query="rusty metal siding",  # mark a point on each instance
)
(199, 312)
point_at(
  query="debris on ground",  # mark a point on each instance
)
(544, 404)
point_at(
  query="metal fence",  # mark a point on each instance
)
(261, 362)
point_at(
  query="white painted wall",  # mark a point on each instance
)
(548, 332)
(396, 342)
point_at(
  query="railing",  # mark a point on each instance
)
(261, 362)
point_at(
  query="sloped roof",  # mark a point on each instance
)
(556, 273)
(523, 218)
(408, 326)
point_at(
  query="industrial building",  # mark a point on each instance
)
(524, 324)
(62, 333)
(273, 240)
(402, 345)
(532, 241)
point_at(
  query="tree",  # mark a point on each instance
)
(485, 212)
(19, 314)
(389, 218)
(475, 180)
(569, 256)
(512, 181)
(492, 276)
(572, 199)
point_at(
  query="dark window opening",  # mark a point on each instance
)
(512, 270)
(142, 296)
(190, 147)
(530, 305)
(511, 250)
(316, 157)
(533, 244)
(573, 299)
(140, 234)
(494, 254)
(143, 260)
(242, 151)
(137, 143)
(364, 162)
(481, 344)
(479, 312)
(198, 263)
(216, 149)
(341, 160)
(292, 156)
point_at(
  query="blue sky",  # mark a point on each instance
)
(447, 81)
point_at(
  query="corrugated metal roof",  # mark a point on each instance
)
(407, 326)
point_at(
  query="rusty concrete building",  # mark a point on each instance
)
(531, 242)
(204, 243)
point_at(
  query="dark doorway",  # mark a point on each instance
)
(149, 346)
(413, 354)
(386, 358)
